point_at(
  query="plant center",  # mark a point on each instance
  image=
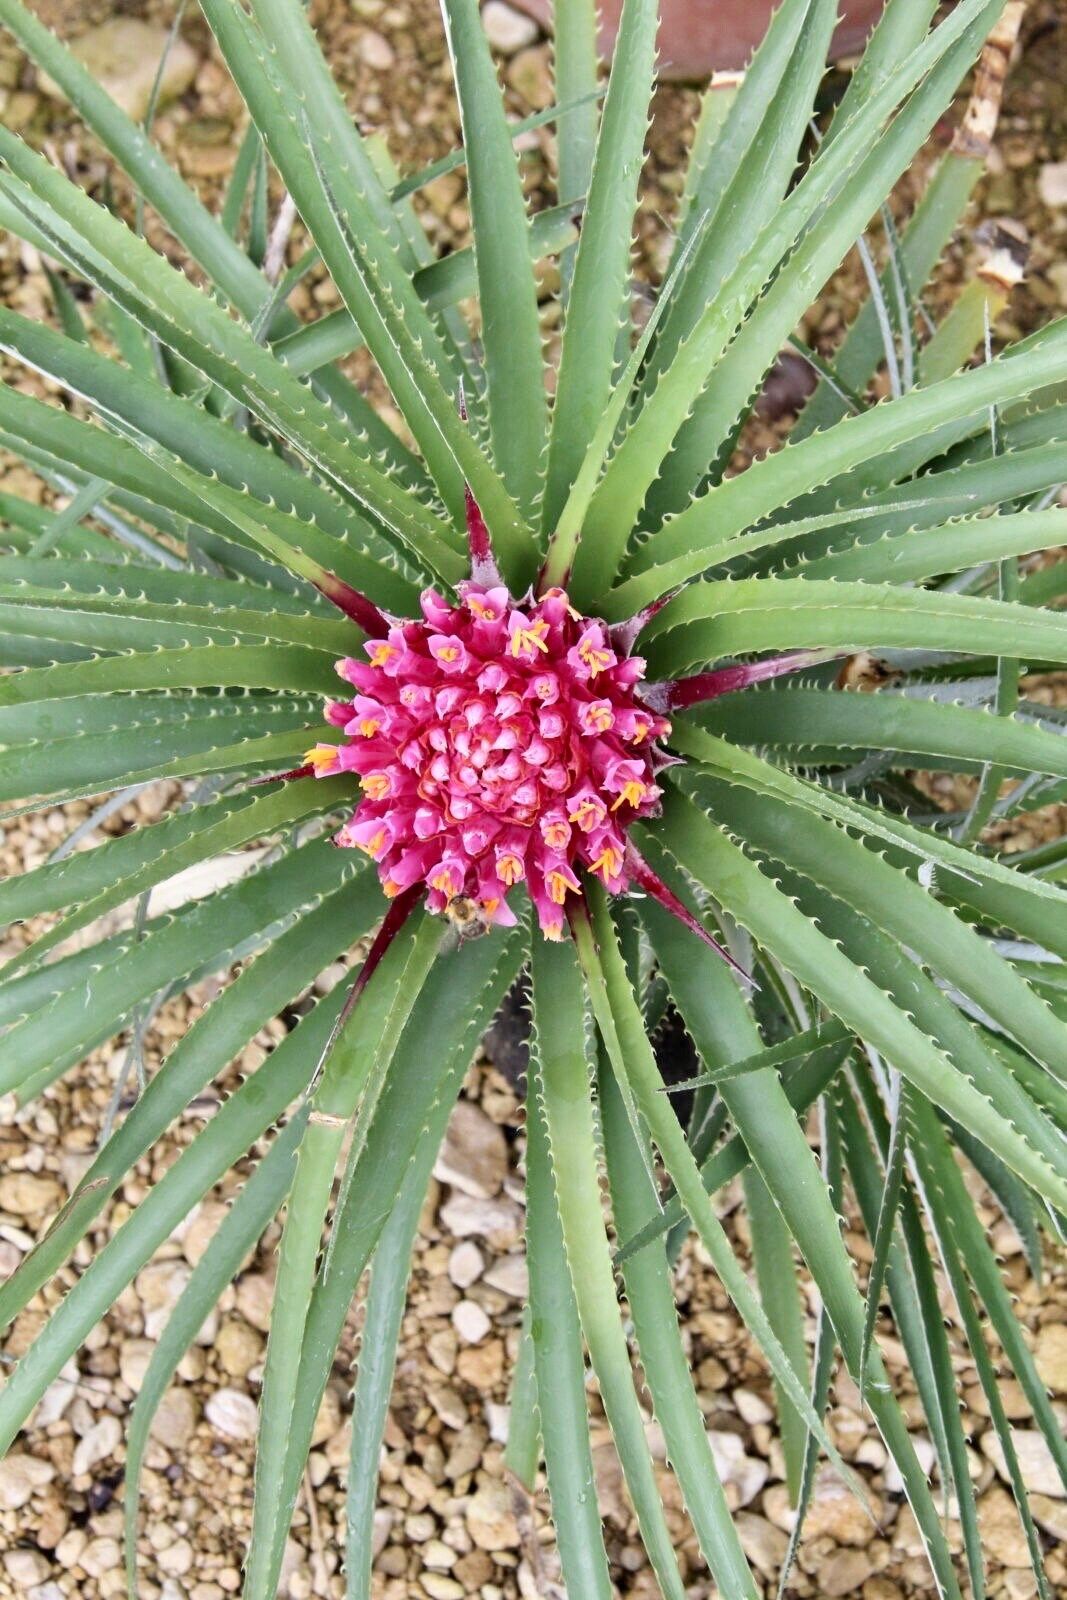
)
(495, 743)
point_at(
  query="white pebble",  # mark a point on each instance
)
(507, 30)
(470, 1321)
(232, 1413)
(100, 1442)
(466, 1264)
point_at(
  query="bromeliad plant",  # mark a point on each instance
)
(592, 709)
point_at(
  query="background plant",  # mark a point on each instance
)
(233, 496)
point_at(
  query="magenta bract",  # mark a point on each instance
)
(496, 743)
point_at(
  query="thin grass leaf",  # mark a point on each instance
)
(634, 1061)
(564, 1087)
(574, 67)
(559, 1366)
(380, 1336)
(887, 1216)
(456, 1003)
(522, 1454)
(648, 1289)
(779, 1290)
(511, 332)
(350, 1058)
(599, 288)
(251, 1212)
(825, 1343)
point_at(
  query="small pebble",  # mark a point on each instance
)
(506, 29)
(232, 1413)
(26, 1568)
(123, 55)
(376, 51)
(466, 1264)
(20, 1478)
(97, 1445)
(470, 1322)
(1052, 183)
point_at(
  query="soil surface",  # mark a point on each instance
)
(449, 1524)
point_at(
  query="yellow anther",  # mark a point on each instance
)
(600, 718)
(596, 660)
(607, 862)
(531, 637)
(632, 794)
(587, 814)
(321, 756)
(509, 869)
(375, 784)
(557, 885)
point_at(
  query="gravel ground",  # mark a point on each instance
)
(449, 1525)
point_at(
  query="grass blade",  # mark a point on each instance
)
(563, 1084)
(511, 331)
(258, 1202)
(599, 292)
(348, 1063)
(559, 1365)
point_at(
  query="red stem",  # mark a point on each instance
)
(399, 911)
(624, 634)
(305, 771)
(678, 693)
(654, 885)
(363, 612)
(484, 569)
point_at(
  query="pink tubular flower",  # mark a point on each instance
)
(495, 744)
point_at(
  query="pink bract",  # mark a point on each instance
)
(496, 743)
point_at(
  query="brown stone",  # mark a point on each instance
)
(474, 1154)
(489, 1518)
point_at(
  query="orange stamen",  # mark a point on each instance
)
(531, 637)
(595, 660)
(633, 792)
(509, 870)
(376, 784)
(607, 862)
(321, 756)
(557, 886)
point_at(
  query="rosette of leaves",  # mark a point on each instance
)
(237, 512)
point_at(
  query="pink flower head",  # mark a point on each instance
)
(496, 744)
